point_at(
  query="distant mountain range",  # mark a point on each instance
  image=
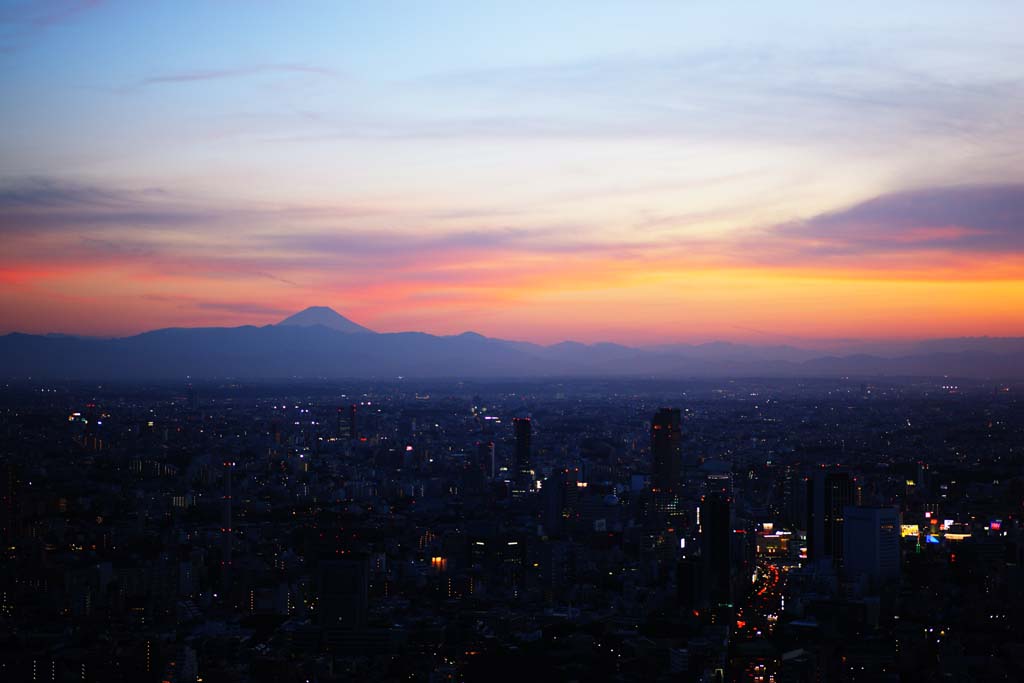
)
(319, 342)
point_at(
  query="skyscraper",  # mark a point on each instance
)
(871, 540)
(343, 592)
(9, 507)
(554, 502)
(828, 494)
(486, 460)
(666, 449)
(716, 536)
(227, 526)
(347, 422)
(688, 583)
(524, 444)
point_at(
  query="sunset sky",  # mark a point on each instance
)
(776, 172)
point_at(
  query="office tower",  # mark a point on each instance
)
(226, 525)
(347, 422)
(828, 494)
(719, 482)
(794, 499)
(343, 592)
(689, 572)
(486, 460)
(524, 438)
(716, 534)
(553, 493)
(666, 449)
(871, 541)
(9, 487)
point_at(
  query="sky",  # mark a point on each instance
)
(643, 173)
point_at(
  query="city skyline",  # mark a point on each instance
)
(587, 172)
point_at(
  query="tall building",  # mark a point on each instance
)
(524, 444)
(871, 541)
(486, 459)
(347, 422)
(227, 523)
(828, 494)
(716, 544)
(688, 583)
(343, 593)
(666, 449)
(553, 495)
(794, 498)
(9, 508)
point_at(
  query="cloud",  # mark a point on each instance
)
(234, 72)
(156, 237)
(979, 219)
(34, 204)
(29, 205)
(857, 91)
(20, 22)
(245, 308)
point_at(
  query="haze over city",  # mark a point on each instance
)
(768, 173)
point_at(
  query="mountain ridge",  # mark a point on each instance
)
(309, 348)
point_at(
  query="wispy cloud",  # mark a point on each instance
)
(30, 205)
(786, 94)
(226, 73)
(957, 220)
(236, 260)
(246, 308)
(20, 22)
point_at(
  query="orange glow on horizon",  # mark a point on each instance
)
(540, 298)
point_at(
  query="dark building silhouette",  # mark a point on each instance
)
(689, 574)
(343, 593)
(871, 540)
(486, 460)
(227, 529)
(666, 449)
(828, 494)
(554, 502)
(794, 498)
(524, 444)
(9, 487)
(347, 428)
(716, 536)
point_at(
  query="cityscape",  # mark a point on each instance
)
(660, 341)
(736, 530)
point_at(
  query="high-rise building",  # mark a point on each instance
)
(794, 498)
(871, 540)
(343, 593)
(716, 543)
(486, 460)
(227, 530)
(524, 444)
(9, 507)
(347, 422)
(666, 449)
(689, 572)
(828, 494)
(554, 502)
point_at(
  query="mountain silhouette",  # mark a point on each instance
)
(327, 317)
(320, 343)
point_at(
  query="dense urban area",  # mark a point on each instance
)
(782, 531)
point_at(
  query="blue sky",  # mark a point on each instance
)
(546, 157)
